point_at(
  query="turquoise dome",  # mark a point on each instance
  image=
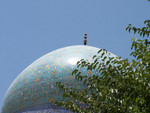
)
(35, 86)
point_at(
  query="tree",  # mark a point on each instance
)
(121, 86)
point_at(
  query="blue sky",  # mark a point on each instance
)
(31, 28)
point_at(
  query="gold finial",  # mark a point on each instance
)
(85, 38)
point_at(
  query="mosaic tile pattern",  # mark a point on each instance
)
(47, 108)
(36, 84)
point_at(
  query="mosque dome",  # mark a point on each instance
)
(34, 89)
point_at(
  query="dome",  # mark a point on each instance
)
(34, 89)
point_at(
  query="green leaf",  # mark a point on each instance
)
(133, 39)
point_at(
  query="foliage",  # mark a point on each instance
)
(121, 86)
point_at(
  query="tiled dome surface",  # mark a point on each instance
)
(36, 84)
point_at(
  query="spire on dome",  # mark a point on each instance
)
(85, 38)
